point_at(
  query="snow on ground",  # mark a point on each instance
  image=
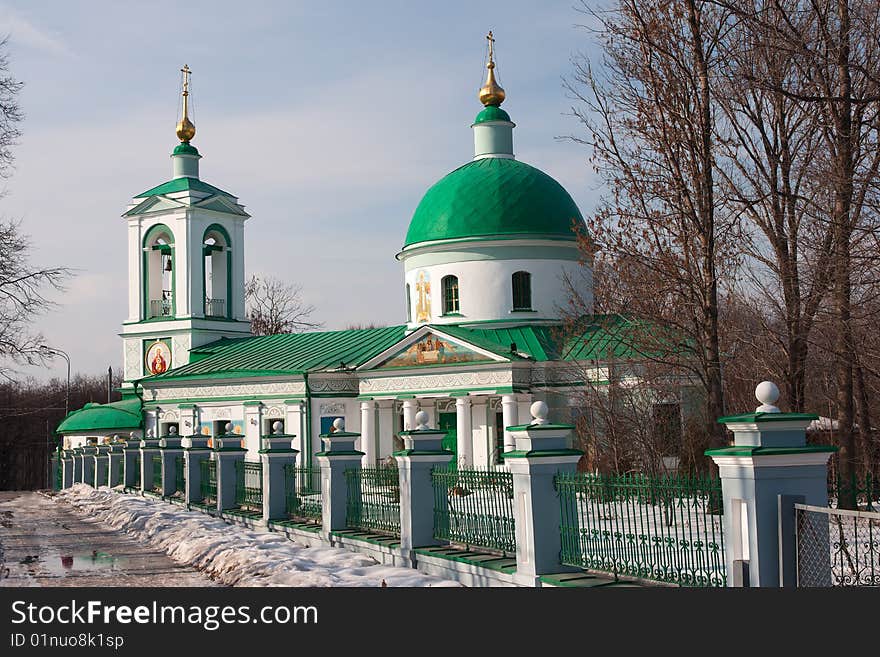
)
(232, 554)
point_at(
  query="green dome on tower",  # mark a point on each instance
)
(494, 196)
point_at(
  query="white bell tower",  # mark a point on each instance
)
(185, 264)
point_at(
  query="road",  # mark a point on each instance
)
(45, 543)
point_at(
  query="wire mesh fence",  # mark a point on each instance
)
(373, 500)
(302, 491)
(249, 485)
(666, 529)
(474, 508)
(837, 547)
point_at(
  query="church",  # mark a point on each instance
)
(488, 262)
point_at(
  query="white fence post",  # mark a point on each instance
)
(768, 466)
(422, 451)
(541, 450)
(277, 452)
(338, 456)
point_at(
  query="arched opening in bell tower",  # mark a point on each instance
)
(217, 256)
(159, 272)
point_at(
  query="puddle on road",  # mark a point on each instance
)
(62, 564)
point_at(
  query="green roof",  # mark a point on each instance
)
(492, 113)
(115, 416)
(491, 197)
(182, 184)
(286, 353)
(605, 336)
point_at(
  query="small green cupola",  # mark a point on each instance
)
(185, 157)
(493, 129)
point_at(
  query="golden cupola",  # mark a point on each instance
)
(491, 92)
(186, 129)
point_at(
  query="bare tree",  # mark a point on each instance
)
(833, 44)
(22, 284)
(650, 116)
(274, 306)
(769, 142)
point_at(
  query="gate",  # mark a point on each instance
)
(837, 547)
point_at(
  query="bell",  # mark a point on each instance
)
(168, 265)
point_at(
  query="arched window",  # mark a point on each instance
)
(216, 272)
(158, 272)
(449, 285)
(408, 305)
(522, 290)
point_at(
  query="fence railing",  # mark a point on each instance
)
(667, 529)
(179, 475)
(215, 307)
(302, 494)
(474, 508)
(249, 485)
(837, 547)
(373, 500)
(120, 480)
(136, 482)
(208, 481)
(157, 473)
(860, 492)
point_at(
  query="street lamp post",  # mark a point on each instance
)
(56, 352)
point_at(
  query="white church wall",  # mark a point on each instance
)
(486, 292)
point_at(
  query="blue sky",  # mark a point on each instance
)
(329, 121)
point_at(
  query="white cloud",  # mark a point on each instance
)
(23, 32)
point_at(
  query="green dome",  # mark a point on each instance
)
(492, 113)
(494, 196)
(184, 148)
(125, 414)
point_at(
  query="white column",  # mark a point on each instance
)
(294, 425)
(510, 415)
(386, 428)
(368, 433)
(464, 429)
(410, 408)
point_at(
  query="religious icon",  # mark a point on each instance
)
(432, 350)
(423, 297)
(158, 358)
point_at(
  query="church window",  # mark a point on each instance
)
(449, 284)
(522, 290)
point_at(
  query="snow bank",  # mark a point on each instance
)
(232, 554)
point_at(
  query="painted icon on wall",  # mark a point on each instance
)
(431, 349)
(423, 297)
(158, 357)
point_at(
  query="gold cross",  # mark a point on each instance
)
(491, 41)
(186, 72)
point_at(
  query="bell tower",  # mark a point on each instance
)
(185, 263)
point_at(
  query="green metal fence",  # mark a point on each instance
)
(208, 481)
(667, 529)
(302, 492)
(857, 493)
(136, 480)
(179, 475)
(373, 500)
(157, 473)
(249, 485)
(474, 508)
(120, 480)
